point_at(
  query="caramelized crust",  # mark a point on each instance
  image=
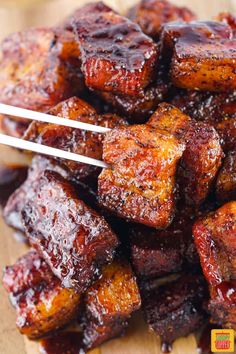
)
(217, 109)
(42, 83)
(41, 304)
(195, 31)
(73, 239)
(151, 15)
(158, 253)
(115, 296)
(116, 56)
(226, 181)
(174, 309)
(214, 237)
(109, 304)
(74, 140)
(142, 192)
(16, 202)
(222, 305)
(202, 156)
(11, 177)
(204, 59)
(209, 66)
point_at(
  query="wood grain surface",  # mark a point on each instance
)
(137, 340)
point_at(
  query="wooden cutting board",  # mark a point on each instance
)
(137, 340)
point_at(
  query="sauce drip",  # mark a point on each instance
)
(62, 343)
(166, 347)
(204, 342)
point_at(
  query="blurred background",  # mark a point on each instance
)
(18, 14)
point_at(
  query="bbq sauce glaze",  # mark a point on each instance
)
(63, 343)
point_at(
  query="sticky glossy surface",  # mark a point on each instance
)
(204, 59)
(73, 239)
(116, 56)
(16, 202)
(41, 304)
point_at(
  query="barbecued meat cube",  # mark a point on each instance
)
(174, 32)
(222, 305)
(203, 56)
(174, 309)
(140, 183)
(202, 156)
(115, 296)
(151, 15)
(74, 240)
(16, 202)
(214, 237)
(228, 18)
(109, 303)
(74, 140)
(138, 109)
(13, 126)
(39, 84)
(11, 177)
(116, 56)
(42, 83)
(226, 181)
(41, 303)
(157, 253)
(217, 109)
(208, 66)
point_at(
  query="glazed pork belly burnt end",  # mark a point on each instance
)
(222, 304)
(214, 237)
(74, 140)
(16, 202)
(42, 83)
(109, 303)
(151, 15)
(217, 109)
(157, 253)
(226, 180)
(42, 305)
(139, 185)
(73, 239)
(202, 156)
(116, 56)
(174, 309)
(202, 55)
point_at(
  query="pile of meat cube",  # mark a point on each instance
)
(155, 230)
